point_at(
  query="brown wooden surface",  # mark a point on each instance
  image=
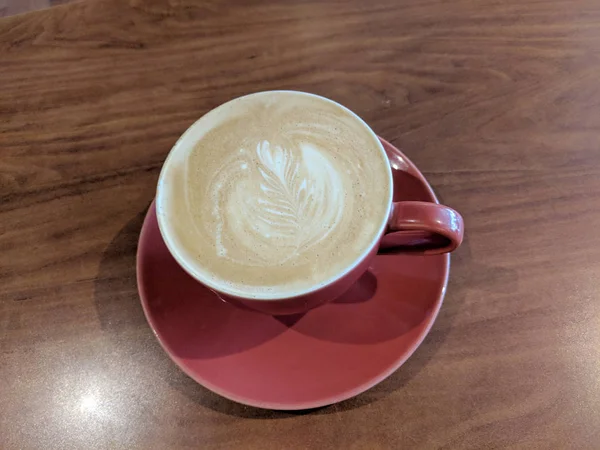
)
(496, 101)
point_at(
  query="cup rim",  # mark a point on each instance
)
(182, 144)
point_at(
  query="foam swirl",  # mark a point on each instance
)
(284, 197)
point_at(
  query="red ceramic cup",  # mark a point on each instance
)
(415, 227)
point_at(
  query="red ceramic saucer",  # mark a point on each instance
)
(327, 355)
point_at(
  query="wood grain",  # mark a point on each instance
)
(496, 101)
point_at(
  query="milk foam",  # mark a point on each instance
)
(279, 192)
(291, 199)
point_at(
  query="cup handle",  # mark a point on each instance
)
(423, 227)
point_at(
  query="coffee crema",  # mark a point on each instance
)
(276, 193)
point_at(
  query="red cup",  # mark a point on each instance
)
(416, 227)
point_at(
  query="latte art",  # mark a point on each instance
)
(291, 198)
(274, 193)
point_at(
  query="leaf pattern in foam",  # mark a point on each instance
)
(277, 207)
(283, 201)
(301, 195)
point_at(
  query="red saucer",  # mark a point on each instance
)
(305, 361)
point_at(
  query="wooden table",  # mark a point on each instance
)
(498, 102)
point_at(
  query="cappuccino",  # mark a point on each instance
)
(274, 194)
